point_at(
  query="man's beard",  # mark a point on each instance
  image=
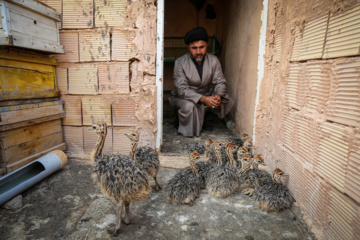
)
(199, 58)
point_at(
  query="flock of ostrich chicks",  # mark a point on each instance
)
(229, 168)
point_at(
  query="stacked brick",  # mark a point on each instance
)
(317, 78)
(107, 73)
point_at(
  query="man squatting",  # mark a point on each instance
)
(200, 85)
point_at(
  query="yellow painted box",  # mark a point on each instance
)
(26, 75)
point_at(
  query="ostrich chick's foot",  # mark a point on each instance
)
(113, 231)
(157, 185)
(126, 220)
(249, 191)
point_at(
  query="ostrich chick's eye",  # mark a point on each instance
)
(94, 127)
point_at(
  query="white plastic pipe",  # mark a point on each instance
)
(159, 71)
(261, 59)
(21, 179)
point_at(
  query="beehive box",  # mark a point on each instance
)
(30, 109)
(25, 75)
(29, 24)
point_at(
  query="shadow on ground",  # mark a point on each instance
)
(68, 205)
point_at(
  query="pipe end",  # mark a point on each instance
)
(62, 157)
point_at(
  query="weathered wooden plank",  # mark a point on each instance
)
(30, 105)
(31, 122)
(39, 8)
(26, 149)
(29, 95)
(29, 112)
(21, 135)
(27, 57)
(31, 23)
(15, 165)
(28, 41)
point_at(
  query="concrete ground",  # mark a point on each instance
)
(69, 205)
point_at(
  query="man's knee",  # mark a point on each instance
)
(188, 107)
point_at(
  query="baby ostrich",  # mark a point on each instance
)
(184, 187)
(208, 145)
(274, 196)
(146, 157)
(118, 176)
(222, 180)
(240, 152)
(255, 178)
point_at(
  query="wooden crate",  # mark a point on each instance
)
(29, 24)
(25, 75)
(28, 132)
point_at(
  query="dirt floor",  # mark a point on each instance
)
(175, 143)
(68, 205)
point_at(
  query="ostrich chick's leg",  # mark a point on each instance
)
(116, 231)
(157, 185)
(126, 219)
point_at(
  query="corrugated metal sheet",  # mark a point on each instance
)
(319, 80)
(289, 127)
(70, 41)
(96, 109)
(344, 104)
(123, 113)
(352, 178)
(121, 143)
(77, 14)
(343, 36)
(91, 137)
(94, 46)
(297, 45)
(333, 150)
(122, 45)
(110, 12)
(313, 38)
(114, 78)
(344, 215)
(83, 79)
(293, 86)
(74, 139)
(62, 79)
(72, 110)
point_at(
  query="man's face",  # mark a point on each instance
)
(197, 50)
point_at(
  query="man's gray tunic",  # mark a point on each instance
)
(189, 88)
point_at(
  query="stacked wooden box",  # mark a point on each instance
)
(30, 109)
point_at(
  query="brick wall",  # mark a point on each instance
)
(107, 72)
(310, 105)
